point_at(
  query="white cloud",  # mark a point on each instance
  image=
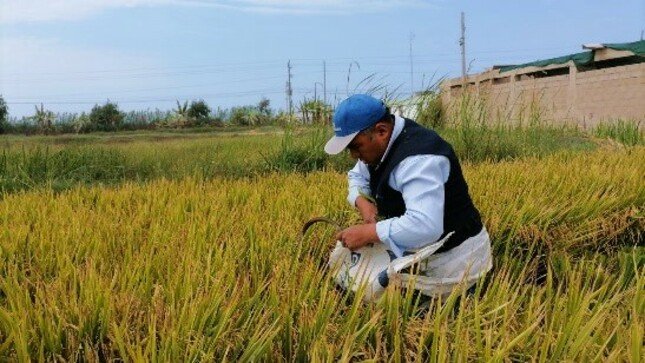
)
(23, 11)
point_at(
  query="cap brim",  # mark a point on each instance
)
(338, 143)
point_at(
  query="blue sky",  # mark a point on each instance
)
(145, 54)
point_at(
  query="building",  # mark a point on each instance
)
(605, 82)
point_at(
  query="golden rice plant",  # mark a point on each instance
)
(194, 269)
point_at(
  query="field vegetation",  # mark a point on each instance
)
(184, 245)
(196, 114)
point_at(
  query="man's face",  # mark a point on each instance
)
(369, 146)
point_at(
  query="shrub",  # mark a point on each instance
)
(218, 117)
(264, 107)
(243, 116)
(199, 111)
(429, 110)
(316, 112)
(82, 123)
(284, 119)
(252, 115)
(4, 116)
(185, 115)
(44, 119)
(106, 117)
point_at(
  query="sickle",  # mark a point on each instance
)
(323, 260)
(315, 220)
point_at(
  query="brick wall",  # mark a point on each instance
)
(580, 97)
(617, 92)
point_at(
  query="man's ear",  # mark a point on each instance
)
(382, 128)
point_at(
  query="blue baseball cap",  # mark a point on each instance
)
(352, 116)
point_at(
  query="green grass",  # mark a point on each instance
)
(94, 138)
(60, 162)
(28, 162)
(482, 142)
(627, 132)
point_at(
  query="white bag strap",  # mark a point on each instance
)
(401, 263)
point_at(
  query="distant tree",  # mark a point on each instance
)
(199, 110)
(252, 115)
(264, 107)
(315, 112)
(4, 116)
(242, 116)
(82, 123)
(178, 118)
(218, 117)
(44, 119)
(181, 110)
(106, 117)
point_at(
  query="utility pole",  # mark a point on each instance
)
(411, 68)
(462, 43)
(286, 95)
(325, 82)
(289, 90)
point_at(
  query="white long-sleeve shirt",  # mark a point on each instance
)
(420, 179)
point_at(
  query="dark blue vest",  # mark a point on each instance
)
(460, 214)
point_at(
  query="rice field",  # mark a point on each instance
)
(192, 267)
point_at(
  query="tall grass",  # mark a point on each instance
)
(298, 153)
(63, 161)
(627, 132)
(27, 169)
(94, 160)
(192, 269)
(477, 135)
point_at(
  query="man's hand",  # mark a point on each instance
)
(367, 210)
(358, 236)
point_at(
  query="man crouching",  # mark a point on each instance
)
(409, 188)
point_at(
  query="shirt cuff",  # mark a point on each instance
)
(354, 192)
(383, 232)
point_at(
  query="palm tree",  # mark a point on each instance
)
(44, 119)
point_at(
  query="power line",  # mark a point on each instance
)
(147, 100)
(168, 99)
(417, 59)
(367, 68)
(193, 69)
(131, 90)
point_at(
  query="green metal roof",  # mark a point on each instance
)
(583, 58)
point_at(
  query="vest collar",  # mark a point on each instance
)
(399, 122)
